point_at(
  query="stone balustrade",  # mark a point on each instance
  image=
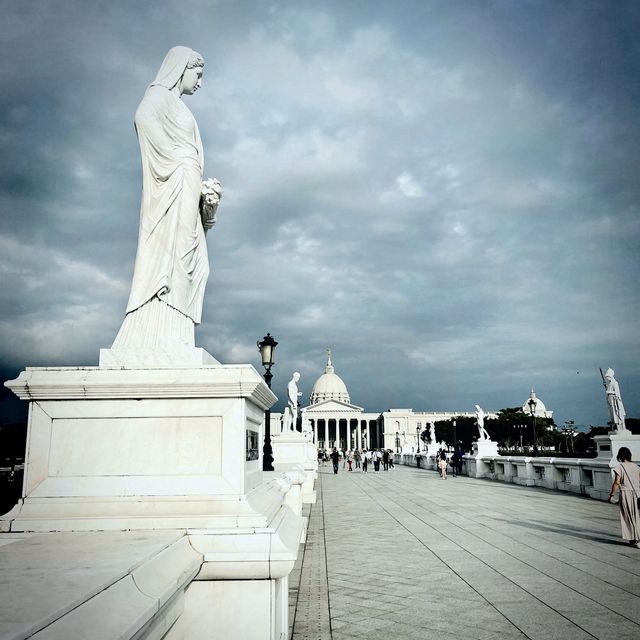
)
(147, 585)
(586, 476)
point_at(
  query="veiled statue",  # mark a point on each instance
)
(617, 413)
(178, 208)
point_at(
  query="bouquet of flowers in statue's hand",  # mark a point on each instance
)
(209, 200)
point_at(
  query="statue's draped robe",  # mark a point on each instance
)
(617, 412)
(172, 265)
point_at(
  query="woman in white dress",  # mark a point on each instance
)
(627, 481)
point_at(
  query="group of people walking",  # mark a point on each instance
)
(443, 461)
(626, 481)
(362, 459)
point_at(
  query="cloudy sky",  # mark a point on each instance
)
(444, 192)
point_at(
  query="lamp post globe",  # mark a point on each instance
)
(267, 347)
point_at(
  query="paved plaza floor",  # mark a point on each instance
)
(405, 554)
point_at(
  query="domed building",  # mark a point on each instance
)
(336, 422)
(535, 407)
(329, 386)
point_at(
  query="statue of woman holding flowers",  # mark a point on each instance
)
(178, 208)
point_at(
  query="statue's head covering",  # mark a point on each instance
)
(173, 66)
(609, 373)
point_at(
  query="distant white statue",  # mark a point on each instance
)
(483, 434)
(307, 429)
(291, 410)
(432, 433)
(614, 400)
(172, 262)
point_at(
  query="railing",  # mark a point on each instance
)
(585, 476)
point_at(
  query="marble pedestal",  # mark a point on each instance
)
(477, 467)
(174, 448)
(114, 449)
(609, 445)
(432, 449)
(607, 449)
(292, 450)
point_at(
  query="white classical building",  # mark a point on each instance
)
(336, 422)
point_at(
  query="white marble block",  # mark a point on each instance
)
(292, 450)
(608, 445)
(140, 448)
(485, 448)
(482, 449)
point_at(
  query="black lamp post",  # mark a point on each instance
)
(266, 347)
(532, 409)
(455, 439)
(418, 438)
(397, 442)
(519, 428)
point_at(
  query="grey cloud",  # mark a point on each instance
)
(445, 193)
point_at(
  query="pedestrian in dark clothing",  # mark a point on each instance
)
(385, 460)
(377, 456)
(391, 465)
(335, 458)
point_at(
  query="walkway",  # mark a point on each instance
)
(404, 554)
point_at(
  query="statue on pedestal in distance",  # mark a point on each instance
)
(291, 411)
(172, 263)
(483, 434)
(617, 413)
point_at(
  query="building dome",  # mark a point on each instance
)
(539, 410)
(329, 386)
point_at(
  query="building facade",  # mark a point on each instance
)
(336, 422)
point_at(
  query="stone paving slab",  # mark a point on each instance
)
(405, 554)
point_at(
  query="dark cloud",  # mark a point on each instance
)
(445, 193)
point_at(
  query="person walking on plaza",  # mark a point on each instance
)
(627, 481)
(442, 464)
(344, 458)
(377, 456)
(456, 461)
(335, 458)
(366, 460)
(350, 460)
(385, 460)
(357, 456)
(391, 465)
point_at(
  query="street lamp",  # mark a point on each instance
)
(519, 427)
(569, 430)
(266, 347)
(532, 409)
(397, 442)
(418, 438)
(455, 438)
